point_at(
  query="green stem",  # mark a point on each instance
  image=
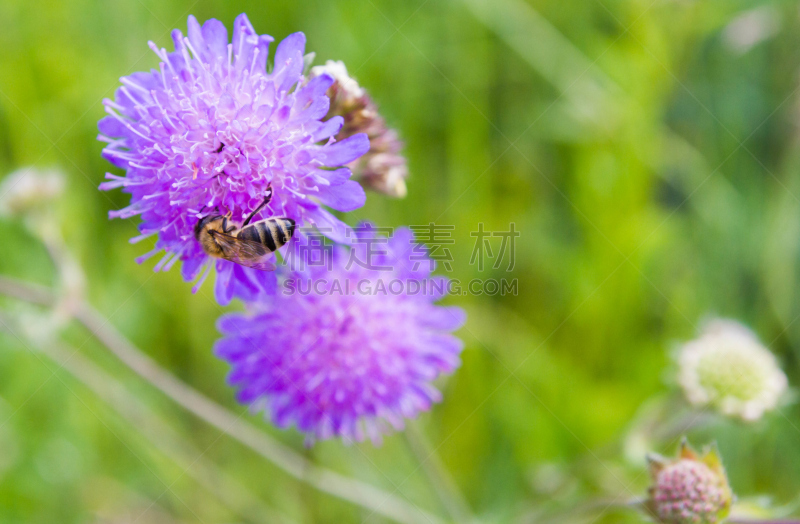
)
(441, 480)
(325, 480)
(161, 436)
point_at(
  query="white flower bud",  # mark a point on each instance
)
(728, 369)
(338, 71)
(29, 189)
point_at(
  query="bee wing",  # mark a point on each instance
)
(244, 252)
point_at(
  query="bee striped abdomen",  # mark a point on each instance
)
(266, 229)
(283, 234)
(271, 233)
(250, 233)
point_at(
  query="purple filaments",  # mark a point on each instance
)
(211, 131)
(336, 357)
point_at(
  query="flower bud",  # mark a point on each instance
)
(29, 189)
(728, 369)
(383, 168)
(691, 489)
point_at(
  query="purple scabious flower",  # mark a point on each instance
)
(349, 350)
(212, 130)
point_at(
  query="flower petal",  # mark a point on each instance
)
(345, 151)
(195, 34)
(111, 127)
(328, 128)
(242, 28)
(216, 37)
(331, 227)
(223, 290)
(334, 177)
(345, 197)
(443, 318)
(289, 61)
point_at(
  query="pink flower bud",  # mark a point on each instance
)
(689, 490)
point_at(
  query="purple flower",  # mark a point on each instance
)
(350, 350)
(211, 131)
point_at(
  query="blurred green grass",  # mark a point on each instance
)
(651, 167)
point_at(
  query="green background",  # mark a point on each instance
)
(649, 161)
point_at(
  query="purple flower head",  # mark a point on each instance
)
(212, 130)
(349, 350)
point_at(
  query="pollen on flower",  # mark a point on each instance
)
(211, 131)
(383, 168)
(727, 368)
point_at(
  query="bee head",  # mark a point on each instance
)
(203, 222)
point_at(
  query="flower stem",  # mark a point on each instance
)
(161, 436)
(441, 480)
(325, 480)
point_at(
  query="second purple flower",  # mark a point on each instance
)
(352, 345)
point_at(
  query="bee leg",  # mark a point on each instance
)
(266, 201)
(268, 195)
(226, 226)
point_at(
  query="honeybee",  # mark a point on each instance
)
(249, 245)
